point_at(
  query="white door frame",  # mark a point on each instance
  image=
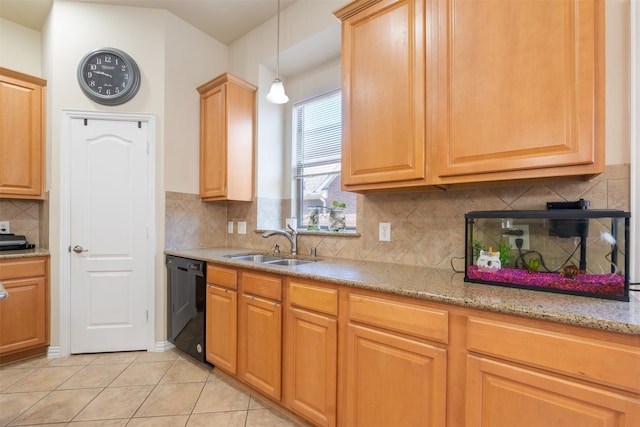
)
(65, 219)
(634, 56)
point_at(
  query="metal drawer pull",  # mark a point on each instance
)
(3, 292)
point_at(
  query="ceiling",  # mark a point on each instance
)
(224, 20)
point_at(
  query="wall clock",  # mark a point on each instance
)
(108, 76)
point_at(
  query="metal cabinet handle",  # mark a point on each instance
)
(3, 292)
(79, 249)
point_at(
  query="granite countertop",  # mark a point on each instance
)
(443, 285)
(24, 253)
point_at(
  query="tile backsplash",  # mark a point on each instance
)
(29, 218)
(427, 228)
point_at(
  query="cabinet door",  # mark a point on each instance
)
(260, 341)
(213, 144)
(24, 315)
(310, 370)
(521, 89)
(499, 394)
(222, 327)
(383, 84)
(393, 381)
(21, 136)
(227, 136)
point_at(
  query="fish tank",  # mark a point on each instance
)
(573, 250)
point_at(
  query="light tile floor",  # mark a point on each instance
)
(127, 389)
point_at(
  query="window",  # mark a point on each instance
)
(318, 153)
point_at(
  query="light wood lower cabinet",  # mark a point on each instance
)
(528, 376)
(340, 356)
(393, 377)
(222, 318)
(24, 315)
(260, 333)
(222, 328)
(311, 351)
(501, 394)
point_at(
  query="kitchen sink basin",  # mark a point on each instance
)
(288, 261)
(256, 258)
(270, 259)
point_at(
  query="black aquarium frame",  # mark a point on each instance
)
(571, 222)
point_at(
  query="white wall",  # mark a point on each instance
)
(174, 58)
(252, 57)
(617, 39)
(20, 48)
(192, 58)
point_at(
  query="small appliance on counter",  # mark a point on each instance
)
(566, 249)
(13, 242)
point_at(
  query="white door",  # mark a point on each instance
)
(108, 235)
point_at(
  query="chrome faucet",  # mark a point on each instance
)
(291, 235)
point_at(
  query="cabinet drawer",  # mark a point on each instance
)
(19, 268)
(398, 316)
(262, 285)
(226, 277)
(317, 298)
(601, 361)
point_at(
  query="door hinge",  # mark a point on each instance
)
(147, 314)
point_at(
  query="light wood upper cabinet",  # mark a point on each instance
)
(457, 92)
(383, 94)
(24, 315)
(521, 90)
(227, 134)
(22, 137)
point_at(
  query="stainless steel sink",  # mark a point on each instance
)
(289, 262)
(270, 259)
(256, 257)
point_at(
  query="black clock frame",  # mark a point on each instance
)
(116, 98)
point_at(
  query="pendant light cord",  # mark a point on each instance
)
(278, 43)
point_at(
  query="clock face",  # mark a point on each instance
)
(108, 76)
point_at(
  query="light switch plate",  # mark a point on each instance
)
(242, 227)
(230, 227)
(5, 227)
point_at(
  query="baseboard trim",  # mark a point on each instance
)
(54, 353)
(161, 346)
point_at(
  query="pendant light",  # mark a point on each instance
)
(276, 94)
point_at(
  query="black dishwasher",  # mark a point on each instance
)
(186, 296)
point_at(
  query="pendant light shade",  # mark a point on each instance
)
(276, 95)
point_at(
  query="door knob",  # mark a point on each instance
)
(79, 249)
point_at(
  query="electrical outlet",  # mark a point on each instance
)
(242, 227)
(524, 237)
(384, 231)
(230, 227)
(5, 227)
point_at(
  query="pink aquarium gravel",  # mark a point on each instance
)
(585, 284)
